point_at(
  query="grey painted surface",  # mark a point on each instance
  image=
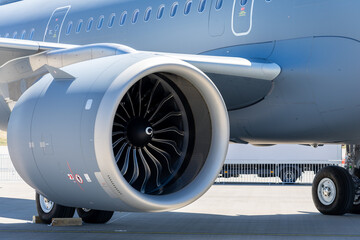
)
(313, 100)
(63, 137)
(313, 42)
(225, 212)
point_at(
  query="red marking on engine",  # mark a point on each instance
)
(73, 175)
(79, 179)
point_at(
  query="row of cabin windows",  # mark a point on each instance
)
(123, 17)
(23, 35)
(136, 13)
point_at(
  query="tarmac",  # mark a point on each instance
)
(224, 212)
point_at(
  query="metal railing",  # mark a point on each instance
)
(7, 170)
(270, 173)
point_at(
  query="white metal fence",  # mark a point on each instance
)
(270, 173)
(7, 170)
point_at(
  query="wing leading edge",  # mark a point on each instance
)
(11, 49)
(25, 61)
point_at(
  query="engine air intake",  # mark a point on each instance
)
(151, 139)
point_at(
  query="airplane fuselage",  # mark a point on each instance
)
(315, 98)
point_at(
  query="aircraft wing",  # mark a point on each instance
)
(12, 49)
(23, 60)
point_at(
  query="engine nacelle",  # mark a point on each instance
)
(134, 132)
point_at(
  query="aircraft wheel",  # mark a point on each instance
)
(333, 191)
(48, 210)
(94, 216)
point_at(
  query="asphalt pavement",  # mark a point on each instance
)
(224, 212)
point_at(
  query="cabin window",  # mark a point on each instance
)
(68, 29)
(202, 6)
(79, 26)
(15, 34)
(89, 24)
(243, 2)
(23, 34)
(123, 18)
(147, 14)
(187, 7)
(160, 12)
(31, 36)
(100, 22)
(135, 16)
(174, 8)
(218, 4)
(111, 20)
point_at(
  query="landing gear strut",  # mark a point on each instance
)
(352, 164)
(336, 190)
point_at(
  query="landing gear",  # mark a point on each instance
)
(48, 210)
(355, 208)
(94, 216)
(336, 190)
(333, 191)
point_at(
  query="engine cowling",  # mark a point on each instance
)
(134, 132)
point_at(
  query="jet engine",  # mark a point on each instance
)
(132, 132)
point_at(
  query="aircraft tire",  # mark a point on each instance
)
(333, 191)
(94, 216)
(48, 210)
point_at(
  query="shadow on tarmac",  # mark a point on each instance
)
(15, 208)
(181, 225)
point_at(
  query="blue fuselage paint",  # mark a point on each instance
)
(315, 98)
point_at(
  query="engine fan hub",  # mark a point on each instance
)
(139, 132)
